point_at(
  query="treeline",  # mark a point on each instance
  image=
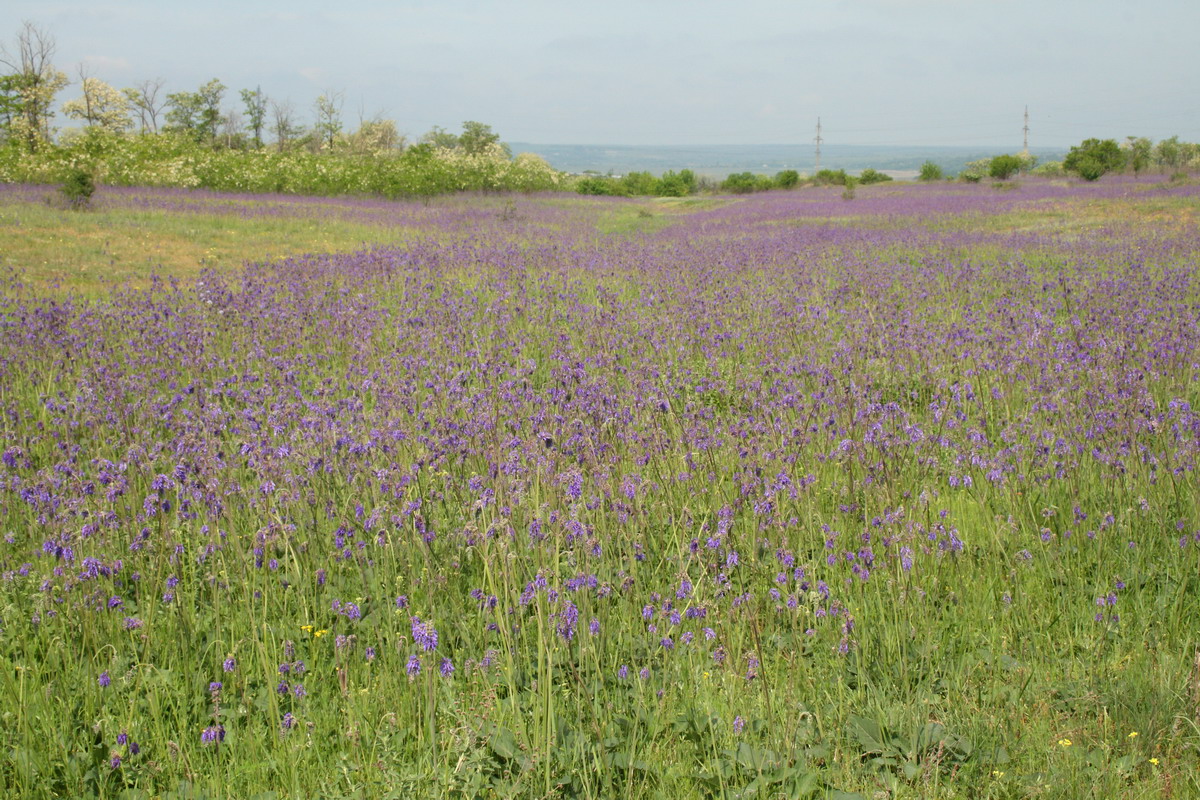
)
(685, 182)
(142, 135)
(1090, 160)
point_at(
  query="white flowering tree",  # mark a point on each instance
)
(101, 106)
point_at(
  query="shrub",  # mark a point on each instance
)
(597, 185)
(1092, 158)
(787, 179)
(930, 172)
(1004, 167)
(831, 177)
(869, 176)
(677, 184)
(78, 188)
(745, 182)
(1051, 169)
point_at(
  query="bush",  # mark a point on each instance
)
(869, 176)
(831, 177)
(1092, 158)
(597, 185)
(787, 179)
(677, 184)
(930, 172)
(1004, 167)
(78, 188)
(746, 182)
(1051, 169)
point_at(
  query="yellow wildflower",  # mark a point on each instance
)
(1064, 742)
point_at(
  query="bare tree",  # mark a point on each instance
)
(231, 126)
(145, 100)
(35, 83)
(283, 123)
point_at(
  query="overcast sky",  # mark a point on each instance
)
(938, 72)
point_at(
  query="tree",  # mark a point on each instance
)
(284, 125)
(197, 113)
(1093, 157)
(1137, 152)
(144, 100)
(376, 136)
(101, 106)
(477, 137)
(930, 172)
(1166, 153)
(256, 112)
(1004, 167)
(441, 138)
(30, 86)
(231, 129)
(328, 110)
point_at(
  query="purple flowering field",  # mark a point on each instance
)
(779, 496)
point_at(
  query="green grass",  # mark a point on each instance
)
(88, 251)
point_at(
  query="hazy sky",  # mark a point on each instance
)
(946, 72)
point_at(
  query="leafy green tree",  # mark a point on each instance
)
(197, 113)
(1167, 153)
(1094, 157)
(256, 112)
(440, 137)
(930, 172)
(328, 127)
(1004, 167)
(477, 137)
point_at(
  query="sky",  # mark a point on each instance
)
(656, 72)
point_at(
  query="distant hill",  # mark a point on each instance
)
(717, 161)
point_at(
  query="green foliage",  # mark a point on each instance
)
(175, 158)
(640, 184)
(197, 114)
(256, 112)
(676, 184)
(831, 177)
(477, 137)
(930, 172)
(1051, 169)
(1093, 158)
(746, 182)
(869, 176)
(78, 188)
(1004, 167)
(787, 179)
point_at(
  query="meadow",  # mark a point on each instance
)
(784, 495)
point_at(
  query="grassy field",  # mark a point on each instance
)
(535, 496)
